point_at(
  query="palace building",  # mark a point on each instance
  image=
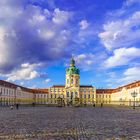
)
(70, 94)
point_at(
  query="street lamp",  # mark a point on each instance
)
(134, 95)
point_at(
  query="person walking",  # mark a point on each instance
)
(101, 104)
(11, 107)
(17, 106)
(93, 104)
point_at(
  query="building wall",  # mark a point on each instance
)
(104, 96)
(72, 80)
(7, 95)
(11, 94)
(123, 96)
(88, 95)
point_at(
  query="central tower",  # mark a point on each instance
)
(72, 75)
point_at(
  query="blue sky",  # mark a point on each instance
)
(38, 38)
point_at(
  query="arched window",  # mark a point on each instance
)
(67, 81)
(72, 81)
(76, 94)
(76, 81)
(67, 94)
(71, 95)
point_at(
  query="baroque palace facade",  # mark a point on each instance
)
(72, 93)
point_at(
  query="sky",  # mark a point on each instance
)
(39, 37)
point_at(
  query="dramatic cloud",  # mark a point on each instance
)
(25, 72)
(30, 34)
(122, 56)
(121, 33)
(120, 38)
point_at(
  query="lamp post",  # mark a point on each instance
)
(134, 95)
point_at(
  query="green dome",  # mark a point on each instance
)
(72, 69)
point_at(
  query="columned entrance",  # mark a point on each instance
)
(60, 102)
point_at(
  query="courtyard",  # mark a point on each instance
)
(69, 123)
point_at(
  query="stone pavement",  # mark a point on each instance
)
(69, 123)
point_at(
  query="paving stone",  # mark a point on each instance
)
(52, 123)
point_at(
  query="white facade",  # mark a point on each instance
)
(11, 94)
(123, 95)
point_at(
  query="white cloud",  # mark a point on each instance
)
(122, 56)
(47, 81)
(83, 24)
(130, 75)
(85, 61)
(130, 2)
(25, 72)
(61, 17)
(46, 34)
(121, 32)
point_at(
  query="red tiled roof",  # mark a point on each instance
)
(39, 90)
(14, 86)
(129, 86)
(86, 86)
(58, 86)
(104, 91)
(109, 91)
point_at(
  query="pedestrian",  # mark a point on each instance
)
(93, 104)
(11, 107)
(17, 106)
(101, 104)
(33, 104)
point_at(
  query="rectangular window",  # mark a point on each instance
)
(67, 94)
(85, 96)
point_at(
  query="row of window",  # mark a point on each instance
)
(12, 92)
(48, 95)
(87, 96)
(86, 90)
(6, 91)
(103, 96)
(57, 90)
(82, 90)
(72, 94)
(72, 81)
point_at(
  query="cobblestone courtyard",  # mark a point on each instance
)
(50, 123)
